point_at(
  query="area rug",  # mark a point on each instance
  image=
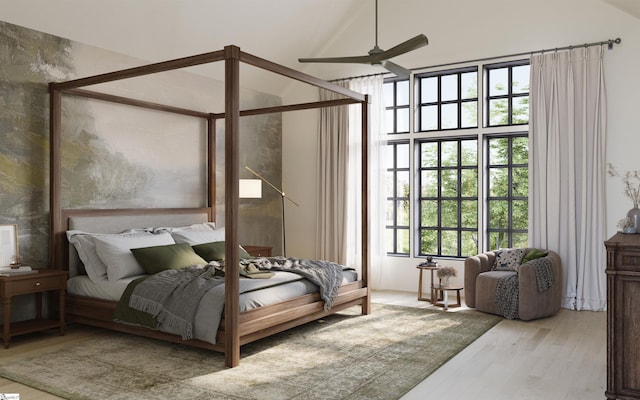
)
(343, 356)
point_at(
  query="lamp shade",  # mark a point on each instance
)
(250, 188)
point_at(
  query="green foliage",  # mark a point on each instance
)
(449, 188)
(508, 184)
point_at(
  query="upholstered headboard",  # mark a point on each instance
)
(115, 221)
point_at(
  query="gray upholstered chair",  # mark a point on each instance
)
(482, 282)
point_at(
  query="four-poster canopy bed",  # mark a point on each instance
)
(236, 327)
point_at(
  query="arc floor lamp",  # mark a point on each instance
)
(282, 197)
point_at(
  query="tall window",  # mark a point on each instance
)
(448, 197)
(508, 97)
(396, 95)
(447, 100)
(507, 191)
(465, 188)
(398, 234)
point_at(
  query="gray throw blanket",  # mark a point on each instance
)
(172, 296)
(544, 273)
(326, 275)
(507, 290)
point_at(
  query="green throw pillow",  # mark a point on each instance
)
(215, 251)
(533, 254)
(173, 256)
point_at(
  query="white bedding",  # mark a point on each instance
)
(82, 285)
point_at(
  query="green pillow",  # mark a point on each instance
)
(533, 254)
(172, 256)
(215, 251)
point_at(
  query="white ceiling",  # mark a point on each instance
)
(158, 30)
(629, 6)
(279, 30)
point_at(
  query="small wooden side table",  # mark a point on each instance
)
(44, 281)
(432, 297)
(444, 290)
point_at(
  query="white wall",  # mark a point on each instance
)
(299, 175)
(462, 30)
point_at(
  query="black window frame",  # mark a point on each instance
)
(482, 132)
(509, 231)
(459, 101)
(397, 198)
(394, 108)
(439, 229)
(509, 96)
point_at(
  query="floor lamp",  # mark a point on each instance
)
(282, 197)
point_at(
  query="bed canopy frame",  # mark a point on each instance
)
(237, 331)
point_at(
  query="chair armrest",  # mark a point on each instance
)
(533, 304)
(474, 266)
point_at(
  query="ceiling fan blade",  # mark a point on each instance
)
(353, 59)
(404, 47)
(401, 72)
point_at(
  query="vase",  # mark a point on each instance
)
(444, 281)
(634, 215)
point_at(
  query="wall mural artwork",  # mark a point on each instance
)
(116, 156)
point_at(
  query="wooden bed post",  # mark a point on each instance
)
(366, 302)
(211, 165)
(55, 176)
(231, 183)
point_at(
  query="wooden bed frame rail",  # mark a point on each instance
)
(253, 325)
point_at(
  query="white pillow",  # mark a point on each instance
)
(205, 226)
(198, 237)
(85, 246)
(116, 253)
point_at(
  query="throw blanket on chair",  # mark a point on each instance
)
(507, 296)
(544, 273)
(507, 289)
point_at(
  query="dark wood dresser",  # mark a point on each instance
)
(623, 316)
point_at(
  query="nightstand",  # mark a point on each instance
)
(258, 251)
(45, 280)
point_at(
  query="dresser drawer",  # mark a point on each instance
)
(628, 261)
(34, 284)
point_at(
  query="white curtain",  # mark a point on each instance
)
(332, 180)
(567, 169)
(371, 85)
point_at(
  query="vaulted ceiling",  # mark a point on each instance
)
(279, 30)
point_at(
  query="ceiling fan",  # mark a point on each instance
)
(377, 56)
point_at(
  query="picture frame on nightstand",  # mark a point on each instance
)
(9, 245)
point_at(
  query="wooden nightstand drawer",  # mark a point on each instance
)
(258, 251)
(34, 284)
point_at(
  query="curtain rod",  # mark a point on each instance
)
(609, 43)
(358, 76)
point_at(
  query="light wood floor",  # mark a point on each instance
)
(562, 357)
